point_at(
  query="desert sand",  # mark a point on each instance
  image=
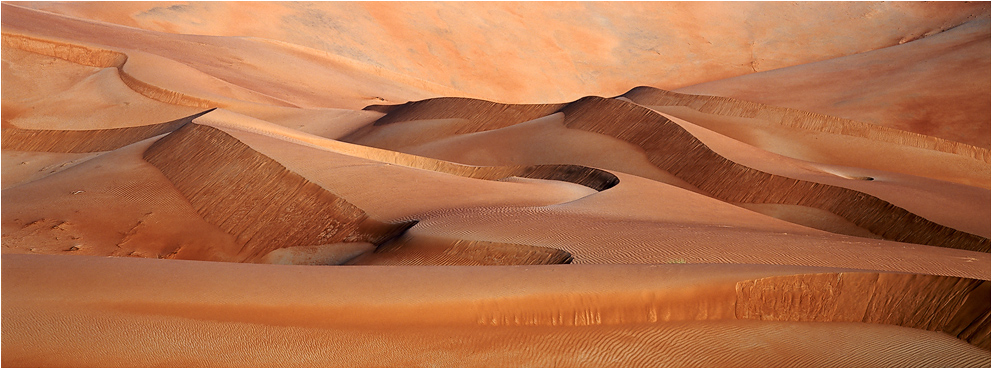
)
(496, 184)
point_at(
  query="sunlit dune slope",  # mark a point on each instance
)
(819, 138)
(565, 311)
(440, 184)
(202, 69)
(225, 181)
(540, 52)
(937, 86)
(675, 151)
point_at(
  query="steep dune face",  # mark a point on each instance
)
(83, 141)
(253, 197)
(530, 315)
(814, 137)
(335, 184)
(901, 299)
(114, 204)
(673, 150)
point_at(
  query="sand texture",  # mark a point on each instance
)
(349, 184)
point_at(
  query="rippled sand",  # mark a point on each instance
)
(494, 184)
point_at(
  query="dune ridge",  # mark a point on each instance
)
(596, 179)
(646, 95)
(257, 199)
(671, 148)
(465, 184)
(938, 303)
(228, 182)
(480, 115)
(212, 302)
(422, 250)
(85, 141)
(93, 56)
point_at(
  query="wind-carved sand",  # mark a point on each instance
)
(674, 150)
(177, 192)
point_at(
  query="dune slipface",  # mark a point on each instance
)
(414, 184)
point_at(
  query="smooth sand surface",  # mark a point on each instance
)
(933, 86)
(867, 146)
(528, 53)
(484, 184)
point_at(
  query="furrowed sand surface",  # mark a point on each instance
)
(450, 184)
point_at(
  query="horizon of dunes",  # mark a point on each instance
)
(273, 184)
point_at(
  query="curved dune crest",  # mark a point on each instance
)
(787, 117)
(824, 139)
(442, 184)
(255, 198)
(84, 141)
(596, 179)
(479, 115)
(652, 305)
(672, 148)
(957, 306)
(267, 207)
(102, 58)
(676, 151)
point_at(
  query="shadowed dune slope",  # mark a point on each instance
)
(956, 306)
(255, 198)
(422, 250)
(366, 184)
(548, 140)
(472, 115)
(787, 117)
(268, 207)
(672, 149)
(596, 179)
(644, 222)
(816, 137)
(155, 211)
(695, 307)
(83, 141)
(194, 150)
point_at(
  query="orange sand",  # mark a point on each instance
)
(413, 184)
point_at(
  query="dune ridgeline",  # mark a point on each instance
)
(493, 184)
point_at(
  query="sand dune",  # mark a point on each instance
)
(256, 199)
(527, 53)
(226, 201)
(83, 141)
(677, 152)
(814, 137)
(934, 86)
(607, 320)
(441, 184)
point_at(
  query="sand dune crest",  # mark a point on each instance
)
(256, 199)
(442, 184)
(676, 151)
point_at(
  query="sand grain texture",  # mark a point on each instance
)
(599, 184)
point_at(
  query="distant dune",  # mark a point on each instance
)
(496, 184)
